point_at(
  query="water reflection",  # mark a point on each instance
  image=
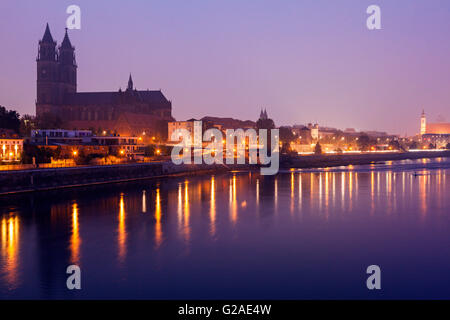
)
(300, 194)
(187, 228)
(144, 202)
(122, 233)
(343, 186)
(257, 192)
(210, 222)
(233, 201)
(292, 192)
(180, 206)
(75, 240)
(158, 230)
(10, 250)
(212, 209)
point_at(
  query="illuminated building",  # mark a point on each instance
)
(11, 149)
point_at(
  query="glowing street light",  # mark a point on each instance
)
(74, 153)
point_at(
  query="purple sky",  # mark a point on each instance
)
(305, 61)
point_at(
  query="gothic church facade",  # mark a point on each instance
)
(129, 112)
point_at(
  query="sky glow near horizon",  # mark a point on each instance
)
(305, 61)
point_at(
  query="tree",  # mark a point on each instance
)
(41, 154)
(27, 123)
(265, 124)
(9, 119)
(318, 148)
(447, 146)
(286, 135)
(413, 145)
(394, 145)
(363, 142)
(285, 148)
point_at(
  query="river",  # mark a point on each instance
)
(302, 234)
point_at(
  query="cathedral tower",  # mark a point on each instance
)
(47, 73)
(67, 67)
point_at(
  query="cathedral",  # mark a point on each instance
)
(127, 112)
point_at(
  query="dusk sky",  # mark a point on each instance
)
(305, 61)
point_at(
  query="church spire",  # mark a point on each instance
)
(47, 38)
(130, 83)
(66, 42)
(47, 47)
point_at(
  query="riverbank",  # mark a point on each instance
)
(42, 179)
(12, 182)
(321, 161)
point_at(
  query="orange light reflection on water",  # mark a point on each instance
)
(10, 250)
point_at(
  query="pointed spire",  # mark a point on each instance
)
(47, 35)
(130, 83)
(66, 42)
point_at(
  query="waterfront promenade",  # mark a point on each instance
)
(41, 179)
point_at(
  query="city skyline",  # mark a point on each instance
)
(265, 64)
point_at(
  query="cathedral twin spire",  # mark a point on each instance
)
(66, 54)
(50, 44)
(65, 44)
(263, 115)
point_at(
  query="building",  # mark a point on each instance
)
(60, 136)
(77, 140)
(437, 134)
(439, 141)
(314, 131)
(228, 123)
(189, 126)
(436, 128)
(180, 125)
(131, 147)
(127, 112)
(423, 123)
(11, 149)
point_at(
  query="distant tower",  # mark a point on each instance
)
(47, 73)
(423, 123)
(130, 84)
(315, 132)
(67, 67)
(263, 114)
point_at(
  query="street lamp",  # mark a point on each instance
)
(74, 153)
